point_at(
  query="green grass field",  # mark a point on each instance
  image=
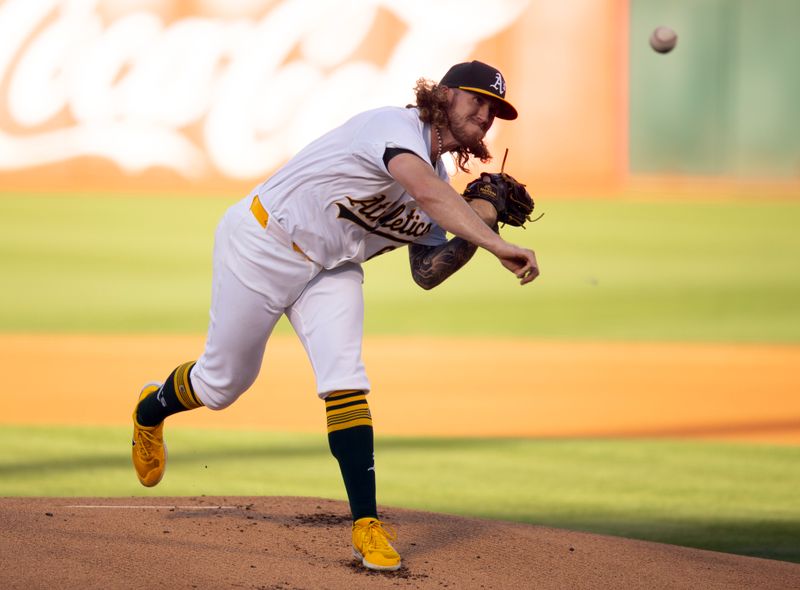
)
(722, 271)
(622, 269)
(728, 497)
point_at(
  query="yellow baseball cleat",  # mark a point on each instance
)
(371, 545)
(149, 451)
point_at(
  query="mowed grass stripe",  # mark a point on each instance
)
(721, 270)
(737, 498)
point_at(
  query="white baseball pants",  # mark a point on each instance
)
(258, 276)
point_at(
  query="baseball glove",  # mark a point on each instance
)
(513, 203)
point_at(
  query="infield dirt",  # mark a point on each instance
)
(467, 387)
(485, 387)
(303, 543)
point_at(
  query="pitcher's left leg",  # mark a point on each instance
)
(350, 437)
(328, 317)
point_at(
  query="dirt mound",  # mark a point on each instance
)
(303, 543)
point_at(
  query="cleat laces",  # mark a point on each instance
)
(146, 441)
(378, 536)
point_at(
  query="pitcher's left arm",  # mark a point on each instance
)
(430, 265)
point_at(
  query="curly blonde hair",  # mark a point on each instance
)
(432, 105)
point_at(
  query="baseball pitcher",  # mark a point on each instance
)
(294, 246)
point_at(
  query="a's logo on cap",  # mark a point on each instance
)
(499, 84)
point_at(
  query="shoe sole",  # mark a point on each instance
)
(380, 568)
(158, 385)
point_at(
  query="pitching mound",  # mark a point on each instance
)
(303, 543)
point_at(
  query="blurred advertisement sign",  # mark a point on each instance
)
(220, 93)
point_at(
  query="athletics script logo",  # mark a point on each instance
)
(499, 84)
(229, 91)
(382, 217)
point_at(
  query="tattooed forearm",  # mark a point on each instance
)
(430, 265)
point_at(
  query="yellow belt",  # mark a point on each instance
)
(259, 212)
(262, 217)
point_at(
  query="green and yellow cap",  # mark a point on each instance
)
(476, 76)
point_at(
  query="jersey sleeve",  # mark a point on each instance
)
(391, 152)
(398, 131)
(390, 129)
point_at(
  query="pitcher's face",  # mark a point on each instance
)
(471, 116)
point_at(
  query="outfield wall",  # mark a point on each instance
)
(726, 102)
(214, 95)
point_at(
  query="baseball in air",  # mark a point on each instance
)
(663, 39)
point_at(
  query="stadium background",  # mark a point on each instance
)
(163, 95)
(126, 128)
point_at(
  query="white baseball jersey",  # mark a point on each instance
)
(337, 200)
